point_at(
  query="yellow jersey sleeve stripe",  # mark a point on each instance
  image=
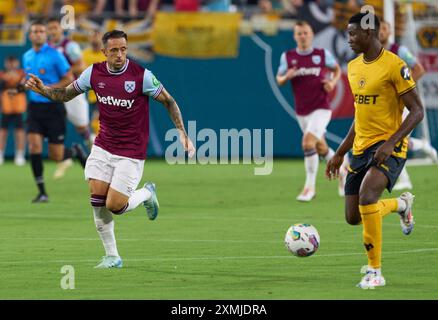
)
(407, 90)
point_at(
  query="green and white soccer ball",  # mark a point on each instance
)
(302, 240)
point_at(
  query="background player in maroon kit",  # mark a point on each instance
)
(313, 73)
(115, 165)
(77, 108)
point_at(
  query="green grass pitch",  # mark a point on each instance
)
(219, 235)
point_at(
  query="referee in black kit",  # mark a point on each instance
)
(46, 118)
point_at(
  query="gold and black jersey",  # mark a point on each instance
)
(377, 87)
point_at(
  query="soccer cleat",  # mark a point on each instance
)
(41, 198)
(152, 206)
(61, 168)
(371, 279)
(403, 185)
(2, 160)
(406, 218)
(306, 195)
(432, 153)
(79, 153)
(110, 262)
(19, 161)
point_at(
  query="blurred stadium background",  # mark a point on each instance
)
(219, 57)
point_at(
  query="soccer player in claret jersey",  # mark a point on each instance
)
(115, 165)
(381, 86)
(77, 108)
(313, 73)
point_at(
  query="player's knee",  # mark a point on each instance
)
(353, 219)
(308, 145)
(34, 148)
(116, 207)
(321, 149)
(366, 198)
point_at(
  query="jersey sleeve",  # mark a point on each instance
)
(151, 86)
(73, 51)
(282, 68)
(401, 77)
(407, 56)
(83, 83)
(61, 64)
(330, 60)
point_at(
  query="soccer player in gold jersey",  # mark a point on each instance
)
(381, 86)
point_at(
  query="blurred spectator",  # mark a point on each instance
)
(270, 6)
(217, 5)
(132, 6)
(148, 6)
(186, 5)
(13, 105)
(39, 8)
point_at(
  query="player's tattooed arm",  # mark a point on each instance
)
(172, 107)
(175, 114)
(60, 94)
(56, 94)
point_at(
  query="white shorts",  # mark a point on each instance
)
(316, 122)
(123, 174)
(78, 111)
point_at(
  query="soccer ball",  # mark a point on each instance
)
(302, 240)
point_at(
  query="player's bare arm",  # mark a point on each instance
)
(417, 71)
(56, 94)
(330, 84)
(175, 114)
(333, 165)
(416, 114)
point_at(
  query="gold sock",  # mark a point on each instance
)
(372, 233)
(387, 206)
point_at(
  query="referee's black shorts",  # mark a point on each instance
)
(360, 164)
(47, 119)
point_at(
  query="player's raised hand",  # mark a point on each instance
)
(187, 143)
(329, 85)
(291, 73)
(333, 165)
(34, 83)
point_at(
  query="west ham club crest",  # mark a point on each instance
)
(129, 86)
(316, 59)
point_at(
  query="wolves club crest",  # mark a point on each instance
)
(129, 86)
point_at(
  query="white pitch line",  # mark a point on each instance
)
(185, 240)
(287, 220)
(222, 258)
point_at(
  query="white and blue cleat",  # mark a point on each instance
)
(110, 262)
(406, 218)
(152, 206)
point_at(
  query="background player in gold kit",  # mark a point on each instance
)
(382, 86)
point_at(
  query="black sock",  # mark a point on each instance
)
(80, 154)
(36, 161)
(68, 153)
